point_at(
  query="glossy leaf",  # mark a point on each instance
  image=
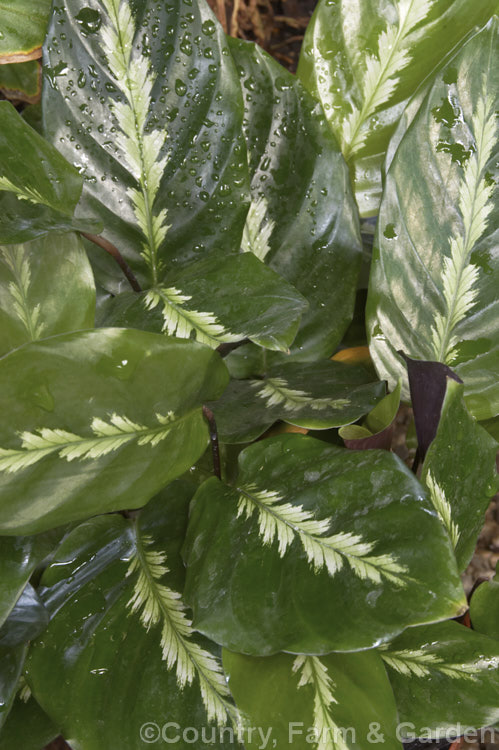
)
(460, 473)
(315, 549)
(21, 81)
(364, 61)
(484, 607)
(27, 313)
(316, 395)
(19, 557)
(105, 418)
(443, 675)
(24, 23)
(433, 287)
(154, 110)
(219, 299)
(302, 219)
(26, 621)
(335, 702)
(27, 726)
(12, 661)
(119, 633)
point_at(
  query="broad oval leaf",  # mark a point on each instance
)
(316, 549)
(39, 189)
(144, 99)
(315, 395)
(46, 288)
(484, 607)
(21, 81)
(12, 661)
(444, 676)
(363, 61)
(105, 418)
(302, 219)
(119, 630)
(335, 702)
(223, 298)
(435, 273)
(24, 23)
(27, 726)
(460, 473)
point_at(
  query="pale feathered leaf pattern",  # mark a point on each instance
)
(16, 259)
(421, 663)
(108, 437)
(460, 277)
(181, 321)
(24, 192)
(286, 522)
(135, 78)
(257, 229)
(157, 604)
(443, 508)
(277, 391)
(329, 735)
(381, 72)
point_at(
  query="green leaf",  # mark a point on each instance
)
(19, 557)
(24, 23)
(376, 430)
(433, 286)
(27, 726)
(219, 299)
(316, 549)
(27, 620)
(154, 110)
(460, 473)
(39, 189)
(315, 395)
(443, 676)
(12, 661)
(302, 219)
(484, 607)
(46, 288)
(335, 702)
(364, 62)
(93, 416)
(21, 81)
(120, 635)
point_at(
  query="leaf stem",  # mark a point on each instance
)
(115, 253)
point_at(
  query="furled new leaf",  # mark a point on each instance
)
(364, 61)
(46, 288)
(105, 418)
(144, 99)
(39, 189)
(223, 298)
(24, 23)
(433, 286)
(120, 633)
(325, 703)
(273, 560)
(315, 395)
(443, 676)
(302, 220)
(460, 473)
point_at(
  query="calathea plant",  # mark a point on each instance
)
(180, 562)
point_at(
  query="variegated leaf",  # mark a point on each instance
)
(164, 163)
(82, 415)
(365, 61)
(444, 676)
(325, 525)
(335, 702)
(141, 648)
(433, 287)
(27, 313)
